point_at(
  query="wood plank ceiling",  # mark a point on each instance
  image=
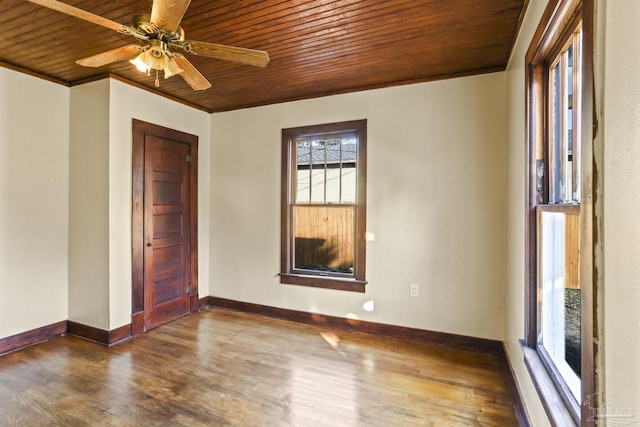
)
(317, 47)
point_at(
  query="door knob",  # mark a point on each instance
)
(149, 244)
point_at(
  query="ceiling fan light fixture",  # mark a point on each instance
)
(172, 69)
(155, 56)
(140, 63)
(152, 57)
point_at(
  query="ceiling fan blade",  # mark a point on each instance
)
(114, 55)
(167, 14)
(257, 58)
(190, 74)
(83, 14)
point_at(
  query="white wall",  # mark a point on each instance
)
(127, 103)
(436, 204)
(621, 127)
(65, 251)
(34, 150)
(517, 170)
(65, 198)
(89, 205)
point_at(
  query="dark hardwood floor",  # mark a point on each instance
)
(220, 368)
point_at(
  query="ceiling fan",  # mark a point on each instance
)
(158, 33)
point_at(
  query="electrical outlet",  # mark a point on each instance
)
(413, 290)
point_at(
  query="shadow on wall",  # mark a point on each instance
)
(321, 255)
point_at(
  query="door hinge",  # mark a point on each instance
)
(188, 158)
(188, 288)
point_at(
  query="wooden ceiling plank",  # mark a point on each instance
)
(360, 27)
(362, 22)
(41, 18)
(376, 72)
(91, 52)
(61, 51)
(294, 23)
(316, 47)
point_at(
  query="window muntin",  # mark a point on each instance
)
(324, 205)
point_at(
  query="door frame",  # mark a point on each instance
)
(139, 130)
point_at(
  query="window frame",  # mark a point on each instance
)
(559, 20)
(288, 274)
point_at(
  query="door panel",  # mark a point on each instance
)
(166, 230)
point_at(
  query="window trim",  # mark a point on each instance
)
(558, 22)
(323, 280)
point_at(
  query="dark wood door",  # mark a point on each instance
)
(164, 225)
(167, 240)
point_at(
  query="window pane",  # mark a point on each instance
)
(317, 186)
(318, 160)
(559, 295)
(303, 177)
(333, 184)
(567, 178)
(323, 238)
(349, 184)
(575, 118)
(333, 170)
(349, 147)
(555, 137)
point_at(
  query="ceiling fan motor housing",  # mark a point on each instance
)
(146, 30)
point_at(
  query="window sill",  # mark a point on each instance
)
(554, 406)
(351, 285)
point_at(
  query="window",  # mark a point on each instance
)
(555, 313)
(324, 206)
(559, 220)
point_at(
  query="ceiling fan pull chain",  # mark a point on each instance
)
(157, 80)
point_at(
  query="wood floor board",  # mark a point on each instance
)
(219, 367)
